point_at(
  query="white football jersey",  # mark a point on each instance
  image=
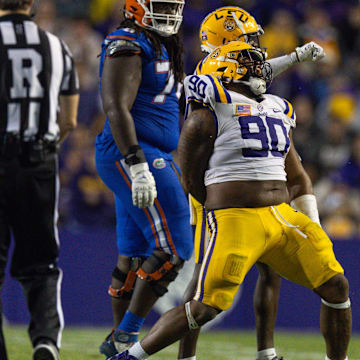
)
(252, 137)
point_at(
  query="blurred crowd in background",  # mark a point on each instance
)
(325, 95)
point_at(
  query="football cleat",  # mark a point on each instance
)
(117, 341)
(107, 347)
(45, 351)
(124, 340)
(123, 356)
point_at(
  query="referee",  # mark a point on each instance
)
(38, 109)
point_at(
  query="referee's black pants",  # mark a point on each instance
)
(28, 210)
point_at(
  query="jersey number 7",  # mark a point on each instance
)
(160, 68)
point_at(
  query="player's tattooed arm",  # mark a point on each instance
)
(195, 147)
(120, 83)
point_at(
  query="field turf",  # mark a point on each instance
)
(82, 343)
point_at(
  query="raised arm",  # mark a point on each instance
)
(195, 147)
(300, 186)
(308, 52)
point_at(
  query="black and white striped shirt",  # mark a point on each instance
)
(35, 68)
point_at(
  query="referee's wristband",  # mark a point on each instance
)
(135, 155)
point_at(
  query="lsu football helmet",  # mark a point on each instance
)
(162, 16)
(239, 62)
(229, 23)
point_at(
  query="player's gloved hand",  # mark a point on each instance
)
(309, 52)
(143, 186)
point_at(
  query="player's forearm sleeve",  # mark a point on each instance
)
(281, 64)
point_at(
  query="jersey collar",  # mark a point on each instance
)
(15, 16)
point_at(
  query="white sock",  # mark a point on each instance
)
(267, 354)
(326, 358)
(189, 358)
(137, 351)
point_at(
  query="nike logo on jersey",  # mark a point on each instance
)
(276, 110)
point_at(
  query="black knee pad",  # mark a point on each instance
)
(163, 271)
(119, 275)
(128, 279)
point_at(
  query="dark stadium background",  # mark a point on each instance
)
(326, 100)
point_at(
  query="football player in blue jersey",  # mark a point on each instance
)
(140, 67)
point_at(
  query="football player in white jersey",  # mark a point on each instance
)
(237, 157)
(221, 26)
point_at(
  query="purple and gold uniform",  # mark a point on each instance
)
(251, 145)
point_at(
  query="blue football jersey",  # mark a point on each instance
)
(155, 110)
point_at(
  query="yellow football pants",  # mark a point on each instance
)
(287, 240)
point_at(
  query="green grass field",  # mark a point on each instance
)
(82, 343)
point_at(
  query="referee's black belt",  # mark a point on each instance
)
(11, 146)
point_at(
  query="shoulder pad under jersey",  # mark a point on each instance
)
(122, 47)
(289, 109)
(206, 89)
(286, 107)
(123, 42)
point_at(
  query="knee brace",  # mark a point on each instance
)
(344, 305)
(128, 279)
(163, 270)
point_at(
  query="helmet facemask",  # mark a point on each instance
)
(163, 16)
(238, 62)
(257, 72)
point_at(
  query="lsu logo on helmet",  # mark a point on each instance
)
(237, 61)
(229, 23)
(161, 16)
